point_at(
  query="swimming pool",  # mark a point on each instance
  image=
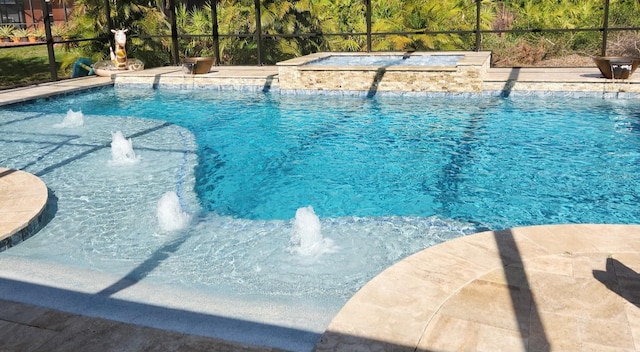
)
(387, 177)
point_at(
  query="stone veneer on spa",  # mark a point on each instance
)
(466, 75)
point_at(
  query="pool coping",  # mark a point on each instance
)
(50, 89)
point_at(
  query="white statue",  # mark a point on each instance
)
(119, 58)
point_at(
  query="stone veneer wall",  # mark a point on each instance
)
(188, 81)
(608, 88)
(466, 76)
(20, 236)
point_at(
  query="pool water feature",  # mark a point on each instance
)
(306, 234)
(71, 119)
(122, 149)
(385, 177)
(171, 216)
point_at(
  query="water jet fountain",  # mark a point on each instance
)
(72, 119)
(306, 235)
(122, 150)
(171, 217)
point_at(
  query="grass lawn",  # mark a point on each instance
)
(21, 66)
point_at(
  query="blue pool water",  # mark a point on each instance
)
(387, 60)
(387, 176)
(496, 162)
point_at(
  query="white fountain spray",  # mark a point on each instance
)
(171, 217)
(72, 119)
(306, 235)
(122, 150)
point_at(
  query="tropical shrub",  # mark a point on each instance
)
(142, 19)
(293, 28)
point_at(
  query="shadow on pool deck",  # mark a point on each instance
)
(526, 315)
(620, 279)
(25, 327)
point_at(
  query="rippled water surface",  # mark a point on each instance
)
(387, 60)
(386, 176)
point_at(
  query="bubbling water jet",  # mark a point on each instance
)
(171, 217)
(306, 235)
(122, 150)
(72, 119)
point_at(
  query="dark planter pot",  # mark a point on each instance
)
(616, 67)
(197, 65)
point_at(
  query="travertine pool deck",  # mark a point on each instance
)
(544, 288)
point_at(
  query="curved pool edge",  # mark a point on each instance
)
(23, 198)
(549, 287)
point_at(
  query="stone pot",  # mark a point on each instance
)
(616, 67)
(197, 65)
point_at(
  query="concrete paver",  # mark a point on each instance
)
(29, 328)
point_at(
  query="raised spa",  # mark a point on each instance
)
(394, 71)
